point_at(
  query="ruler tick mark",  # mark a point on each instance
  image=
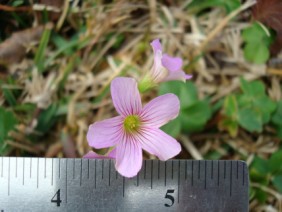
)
(16, 167)
(44, 167)
(199, 169)
(37, 172)
(95, 173)
(66, 180)
(80, 176)
(237, 169)
(88, 168)
(230, 178)
(123, 182)
(185, 169)
(137, 179)
(102, 169)
(59, 168)
(172, 169)
(192, 173)
(212, 169)
(158, 169)
(52, 171)
(145, 168)
(152, 174)
(23, 171)
(224, 172)
(205, 174)
(178, 181)
(2, 166)
(30, 167)
(165, 174)
(110, 162)
(218, 172)
(243, 174)
(73, 169)
(9, 177)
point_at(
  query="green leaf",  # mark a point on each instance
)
(195, 117)
(261, 166)
(170, 87)
(255, 53)
(256, 34)
(275, 162)
(7, 123)
(252, 89)
(276, 119)
(266, 106)
(47, 118)
(9, 96)
(230, 106)
(17, 3)
(199, 5)
(277, 116)
(257, 41)
(260, 195)
(230, 125)
(277, 182)
(250, 119)
(40, 53)
(187, 92)
(173, 128)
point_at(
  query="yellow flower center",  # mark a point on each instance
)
(131, 123)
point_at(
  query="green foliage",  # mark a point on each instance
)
(230, 112)
(7, 123)
(47, 119)
(40, 53)
(276, 119)
(250, 109)
(194, 113)
(267, 172)
(257, 41)
(199, 5)
(17, 3)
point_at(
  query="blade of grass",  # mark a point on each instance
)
(39, 57)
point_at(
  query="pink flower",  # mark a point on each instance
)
(94, 155)
(135, 128)
(165, 68)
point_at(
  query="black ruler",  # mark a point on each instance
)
(41, 184)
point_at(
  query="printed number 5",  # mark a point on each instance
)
(168, 196)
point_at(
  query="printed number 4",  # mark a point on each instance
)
(168, 196)
(58, 198)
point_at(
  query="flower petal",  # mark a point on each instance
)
(125, 95)
(160, 110)
(156, 45)
(128, 157)
(158, 143)
(105, 133)
(94, 155)
(177, 75)
(172, 63)
(157, 72)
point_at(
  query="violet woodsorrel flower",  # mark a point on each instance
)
(165, 68)
(135, 128)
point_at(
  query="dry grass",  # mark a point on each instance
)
(87, 72)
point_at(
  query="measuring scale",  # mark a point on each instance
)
(54, 184)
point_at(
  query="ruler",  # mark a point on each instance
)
(53, 184)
